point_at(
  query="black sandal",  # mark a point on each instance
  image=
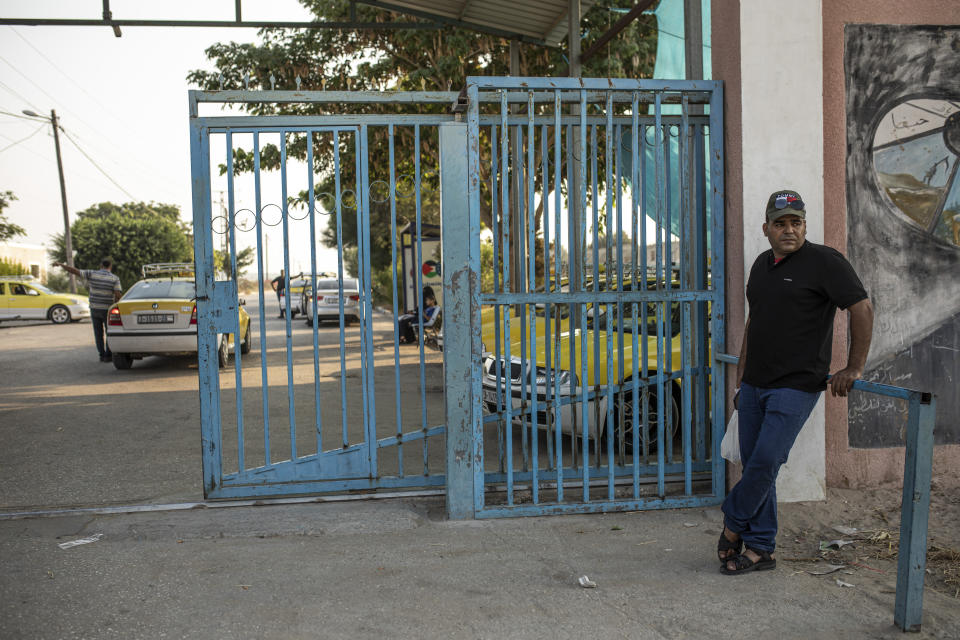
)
(725, 545)
(744, 564)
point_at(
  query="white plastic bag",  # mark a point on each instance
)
(730, 445)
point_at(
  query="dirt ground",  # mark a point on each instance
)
(870, 562)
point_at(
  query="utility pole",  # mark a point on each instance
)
(67, 238)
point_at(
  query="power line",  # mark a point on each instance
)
(65, 75)
(94, 163)
(35, 132)
(11, 90)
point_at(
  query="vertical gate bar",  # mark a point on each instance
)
(522, 283)
(264, 382)
(718, 314)
(668, 284)
(597, 306)
(702, 283)
(366, 311)
(237, 358)
(635, 248)
(362, 239)
(312, 212)
(500, 261)
(419, 222)
(686, 255)
(915, 508)
(459, 170)
(508, 253)
(286, 292)
(579, 169)
(620, 288)
(396, 314)
(548, 288)
(206, 349)
(557, 112)
(531, 174)
(645, 271)
(338, 198)
(609, 135)
(576, 318)
(473, 289)
(660, 188)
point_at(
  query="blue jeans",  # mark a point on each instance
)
(99, 319)
(769, 420)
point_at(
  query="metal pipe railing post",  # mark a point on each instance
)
(915, 508)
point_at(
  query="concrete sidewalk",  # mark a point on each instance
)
(397, 569)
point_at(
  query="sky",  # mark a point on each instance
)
(123, 101)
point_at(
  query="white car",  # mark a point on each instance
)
(328, 300)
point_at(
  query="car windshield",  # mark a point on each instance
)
(179, 289)
(40, 288)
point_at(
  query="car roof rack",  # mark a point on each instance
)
(171, 269)
(21, 278)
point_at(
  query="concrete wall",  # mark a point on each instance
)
(869, 66)
(32, 256)
(776, 77)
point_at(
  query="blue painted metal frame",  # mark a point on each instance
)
(510, 132)
(342, 465)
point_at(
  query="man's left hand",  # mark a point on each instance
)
(842, 381)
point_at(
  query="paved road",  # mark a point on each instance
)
(78, 432)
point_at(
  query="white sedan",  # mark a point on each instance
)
(328, 299)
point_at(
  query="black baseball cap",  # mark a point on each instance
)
(785, 203)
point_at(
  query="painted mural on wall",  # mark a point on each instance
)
(903, 218)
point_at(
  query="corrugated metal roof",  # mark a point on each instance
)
(531, 20)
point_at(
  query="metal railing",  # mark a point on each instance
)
(915, 508)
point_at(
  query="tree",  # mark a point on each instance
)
(132, 234)
(406, 60)
(222, 262)
(8, 230)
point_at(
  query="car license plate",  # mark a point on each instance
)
(489, 395)
(155, 318)
(332, 300)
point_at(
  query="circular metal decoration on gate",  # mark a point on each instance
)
(263, 215)
(916, 159)
(379, 191)
(219, 225)
(244, 220)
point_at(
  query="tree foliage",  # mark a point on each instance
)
(132, 234)
(8, 230)
(222, 262)
(405, 60)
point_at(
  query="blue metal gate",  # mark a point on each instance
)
(560, 334)
(591, 323)
(331, 406)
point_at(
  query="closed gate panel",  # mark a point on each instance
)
(598, 309)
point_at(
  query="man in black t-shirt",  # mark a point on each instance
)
(794, 290)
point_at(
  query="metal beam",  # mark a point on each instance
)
(256, 24)
(503, 33)
(619, 26)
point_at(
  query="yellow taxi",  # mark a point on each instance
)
(24, 298)
(528, 377)
(158, 316)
